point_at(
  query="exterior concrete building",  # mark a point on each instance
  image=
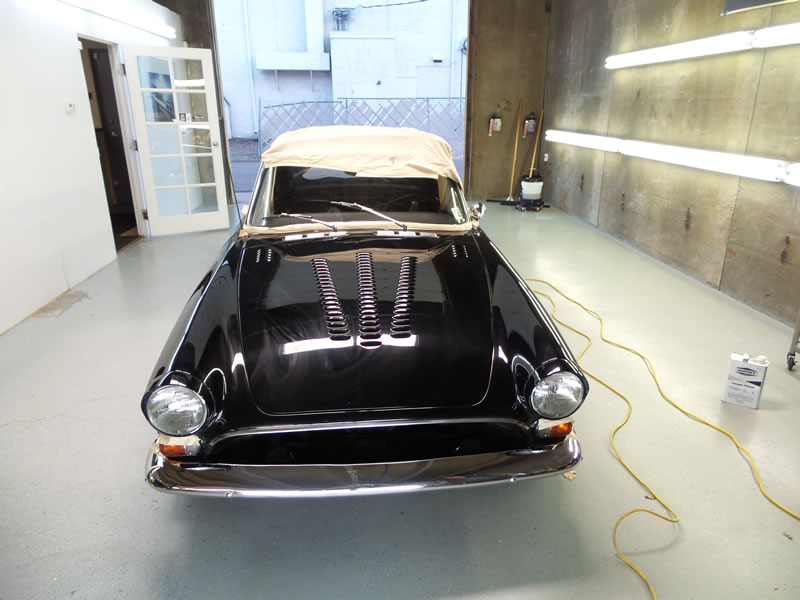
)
(275, 53)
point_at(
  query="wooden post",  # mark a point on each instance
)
(536, 145)
(514, 164)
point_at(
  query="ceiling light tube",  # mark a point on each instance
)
(754, 167)
(718, 44)
(779, 35)
(740, 165)
(598, 142)
(793, 174)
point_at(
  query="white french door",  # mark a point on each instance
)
(175, 117)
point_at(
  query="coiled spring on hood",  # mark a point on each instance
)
(401, 316)
(335, 320)
(369, 325)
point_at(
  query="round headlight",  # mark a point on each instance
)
(557, 395)
(176, 410)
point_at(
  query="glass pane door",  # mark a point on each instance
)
(175, 115)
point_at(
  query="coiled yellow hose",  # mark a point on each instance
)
(672, 516)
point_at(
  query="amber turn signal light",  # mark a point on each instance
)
(175, 447)
(556, 430)
(172, 450)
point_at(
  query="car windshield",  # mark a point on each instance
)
(308, 194)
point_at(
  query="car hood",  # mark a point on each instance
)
(357, 323)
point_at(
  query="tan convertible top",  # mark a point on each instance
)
(367, 151)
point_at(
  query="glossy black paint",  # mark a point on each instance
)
(442, 357)
(255, 336)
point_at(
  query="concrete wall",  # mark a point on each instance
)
(508, 47)
(250, 34)
(54, 223)
(729, 231)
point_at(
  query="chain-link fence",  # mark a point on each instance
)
(442, 116)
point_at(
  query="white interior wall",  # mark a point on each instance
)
(54, 223)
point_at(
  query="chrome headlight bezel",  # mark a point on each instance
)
(175, 398)
(557, 395)
(527, 377)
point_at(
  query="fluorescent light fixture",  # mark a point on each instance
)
(740, 165)
(718, 44)
(598, 142)
(780, 35)
(754, 167)
(124, 14)
(793, 174)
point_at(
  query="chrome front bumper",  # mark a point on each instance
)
(317, 481)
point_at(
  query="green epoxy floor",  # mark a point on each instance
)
(78, 521)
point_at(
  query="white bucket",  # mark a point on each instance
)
(532, 190)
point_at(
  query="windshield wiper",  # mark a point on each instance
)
(371, 211)
(304, 217)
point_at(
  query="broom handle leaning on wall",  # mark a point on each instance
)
(516, 142)
(536, 145)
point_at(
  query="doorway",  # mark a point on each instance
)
(96, 60)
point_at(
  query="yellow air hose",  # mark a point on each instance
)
(673, 516)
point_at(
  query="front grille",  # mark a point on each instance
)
(373, 444)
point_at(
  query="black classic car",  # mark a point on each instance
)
(360, 334)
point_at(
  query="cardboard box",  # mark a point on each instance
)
(746, 375)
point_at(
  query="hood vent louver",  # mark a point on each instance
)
(335, 320)
(401, 316)
(263, 254)
(369, 325)
(368, 322)
(459, 250)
